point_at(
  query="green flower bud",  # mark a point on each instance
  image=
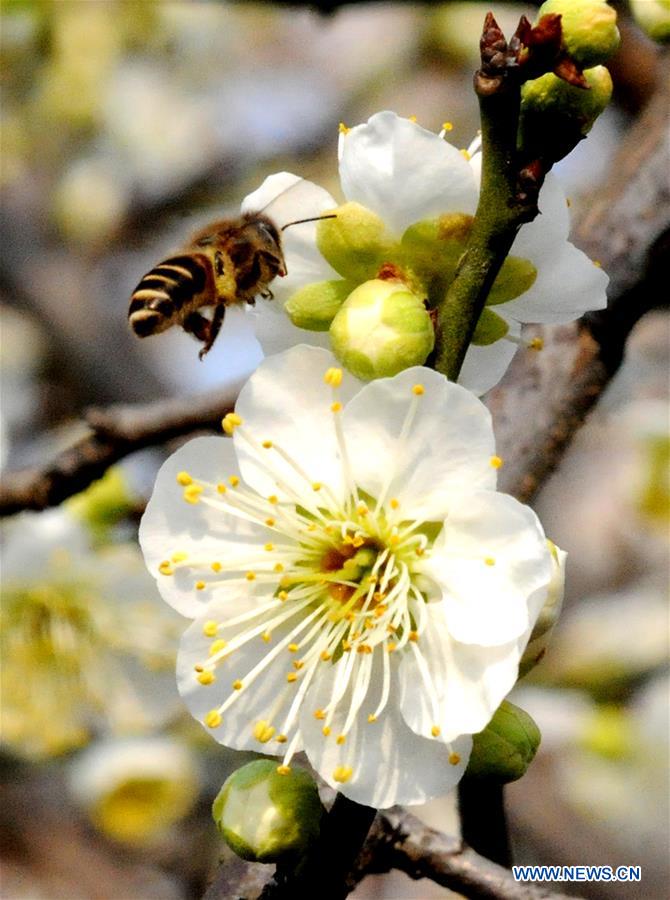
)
(381, 329)
(505, 748)
(314, 306)
(556, 115)
(516, 276)
(355, 242)
(539, 638)
(653, 17)
(590, 33)
(266, 816)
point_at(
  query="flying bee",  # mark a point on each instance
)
(229, 262)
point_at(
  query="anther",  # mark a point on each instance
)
(237, 685)
(230, 422)
(184, 479)
(413, 636)
(447, 126)
(266, 637)
(269, 547)
(281, 738)
(270, 523)
(213, 718)
(273, 499)
(278, 567)
(216, 567)
(390, 647)
(283, 770)
(165, 568)
(496, 462)
(298, 664)
(233, 481)
(597, 263)
(267, 445)
(325, 731)
(454, 759)
(418, 390)
(489, 560)
(336, 407)
(179, 556)
(537, 343)
(342, 774)
(210, 628)
(263, 731)
(221, 488)
(435, 730)
(206, 677)
(412, 118)
(192, 493)
(333, 377)
(340, 739)
(291, 677)
(200, 585)
(282, 595)
(464, 153)
(319, 714)
(250, 576)
(325, 656)
(316, 486)
(372, 718)
(393, 503)
(293, 648)
(343, 129)
(217, 646)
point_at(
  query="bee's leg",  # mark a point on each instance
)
(204, 329)
(267, 294)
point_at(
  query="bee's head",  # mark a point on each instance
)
(265, 232)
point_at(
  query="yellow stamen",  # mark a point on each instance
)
(206, 677)
(266, 637)
(270, 523)
(221, 488)
(447, 126)
(250, 576)
(217, 646)
(316, 486)
(418, 390)
(267, 445)
(237, 685)
(497, 462)
(342, 774)
(278, 567)
(454, 759)
(325, 731)
(281, 738)
(343, 129)
(184, 479)
(393, 503)
(597, 263)
(263, 731)
(233, 481)
(200, 585)
(269, 547)
(340, 739)
(414, 636)
(333, 377)
(325, 656)
(293, 648)
(489, 560)
(230, 422)
(336, 407)
(213, 718)
(165, 568)
(435, 730)
(464, 153)
(216, 567)
(298, 664)
(537, 343)
(274, 499)
(291, 677)
(210, 628)
(372, 718)
(412, 118)
(192, 493)
(283, 770)
(179, 556)
(319, 714)
(283, 596)
(391, 646)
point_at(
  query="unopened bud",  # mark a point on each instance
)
(314, 306)
(653, 17)
(551, 610)
(381, 329)
(589, 29)
(266, 816)
(556, 115)
(355, 242)
(505, 748)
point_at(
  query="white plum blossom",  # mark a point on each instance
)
(358, 588)
(406, 177)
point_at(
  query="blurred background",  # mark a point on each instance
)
(124, 126)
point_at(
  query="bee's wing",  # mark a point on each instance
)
(285, 197)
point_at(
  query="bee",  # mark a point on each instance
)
(229, 262)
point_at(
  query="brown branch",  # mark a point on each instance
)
(115, 432)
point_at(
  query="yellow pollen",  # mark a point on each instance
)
(291, 677)
(267, 445)
(325, 656)
(230, 422)
(393, 503)
(336, 407)
(447, 126)
(210, 628)
(237, 685)
(343, 129)
(489, 560)
(270, 523)
(319, 714)
(497, 462)
(298, 664)
(391, 646)
(221, 488)
(250, 576)
(266, 637)
(213, 718)
(184, 479)
(273, 498)
(597, 263)
(283, 770)
(419, 551)
(346, 646)
(412, 118)
(362, 509)
(216, 567)
(192, 493)
(454, 759)
(278, 567)
(325, 731)
(391, 628)
(465, 154)
(316, 486)
(179, 556)
(285, 582)
(165, 568)
(293, 648)
(364, 648)
(435, 730)
(394, 540)
(418, 390)
(233, 481)
(380, 610)
(200, 585)
(537, 343)
(281, 738)
(263, 731)
(206, 677)
(414, 636)
(333, 377)
(269, 547)
(217, 646)
(340, 739)
(342, 774)
(312, 527)
(199, 668)
(372, 718)
(282, 595)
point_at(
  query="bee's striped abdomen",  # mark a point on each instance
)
(160, 297)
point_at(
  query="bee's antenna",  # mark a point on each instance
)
(313, 219)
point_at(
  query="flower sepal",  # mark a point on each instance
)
(503, 751)
(381, 329)
(268, 813)
(355, 242)
(315, 306)
(589, 29)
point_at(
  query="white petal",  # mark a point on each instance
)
(469, 681)
(488, 604)
(391, 764)
(448, 448)
(268, 698)
(568, 284)
(542, 236)
(286, 402)
(483, 367)
(170, 525)
(403, 172)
